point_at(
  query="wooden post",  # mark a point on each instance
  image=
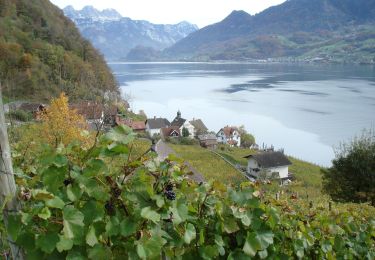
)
(7, 183)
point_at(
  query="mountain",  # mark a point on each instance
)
(296, 28)
(89, 12)
(42, 53)
(115, 35)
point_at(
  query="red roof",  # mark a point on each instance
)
(135, 125)
(167, 131)
(138, 125)
(229, 130)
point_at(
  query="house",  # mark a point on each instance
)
(208, 141)
(229, 135)
(199, 127)
(182, 123)
(153, 125)
(96, 114)
(137, 126)
(170, 132)
(268, 164)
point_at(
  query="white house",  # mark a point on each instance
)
(268, 164)
(229, 135)
(153, 125)
(182, 123)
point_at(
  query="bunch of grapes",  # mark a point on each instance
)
(116, 192)
(110, 208)
(68, 181)
(169, 193)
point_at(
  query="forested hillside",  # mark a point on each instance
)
(42, 53)
(335, 30)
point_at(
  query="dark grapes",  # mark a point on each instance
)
(116, 191)
(170, 195)
(169, 187)
(67, 182)
(110, 209)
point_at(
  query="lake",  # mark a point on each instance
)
(304, 109)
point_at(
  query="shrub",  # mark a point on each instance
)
(352, 175)
(20, 115)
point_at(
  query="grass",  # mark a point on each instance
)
(208, 164)
(235, 154)
(308, 182)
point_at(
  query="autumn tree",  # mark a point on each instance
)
(60, 124)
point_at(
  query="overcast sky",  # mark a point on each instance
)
(199, 12)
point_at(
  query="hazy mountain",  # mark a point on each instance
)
(42, 54)
(293, 28)
(115, 36)
(91, 13)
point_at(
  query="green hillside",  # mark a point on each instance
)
(208, 164)
(42, 53)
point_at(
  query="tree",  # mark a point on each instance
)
(247, 140)
(185, 132)
(352, 175)
(60, 124)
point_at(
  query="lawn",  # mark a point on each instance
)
(308, 183)
(208, 164)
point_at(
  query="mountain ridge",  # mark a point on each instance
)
(116, 36)
(239, 31)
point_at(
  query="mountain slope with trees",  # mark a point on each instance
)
(42, 54)
(296, 28)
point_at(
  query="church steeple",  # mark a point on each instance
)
(178, 114)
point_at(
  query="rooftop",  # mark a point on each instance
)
(270, 159)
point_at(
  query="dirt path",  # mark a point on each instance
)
(163, 151)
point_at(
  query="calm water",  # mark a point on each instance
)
(305, 109)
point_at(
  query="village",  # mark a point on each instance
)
(263, 163)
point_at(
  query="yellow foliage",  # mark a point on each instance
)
(62, 125)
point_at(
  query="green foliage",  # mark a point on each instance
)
(92, 209)
(43, 54)
(19, 115)
(185, 132)
(247, 140)
(352, 175)
(182, 140)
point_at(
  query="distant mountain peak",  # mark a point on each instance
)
(238, 13)
(238, 16)
(90, 12)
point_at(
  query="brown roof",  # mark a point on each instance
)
(199, 125)
(138, 125)
(89, 110)
(135, 125)
(167, 131)
(157, 123)
(270, 159)
(92, 110)
(110, 110)
(229, 130)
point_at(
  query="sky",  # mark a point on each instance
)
(199, 12)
